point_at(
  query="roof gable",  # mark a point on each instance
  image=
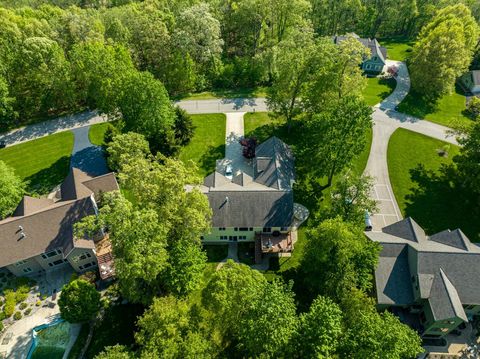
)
(407, 229)
(454, 238)
(29, 205)
(444, 299)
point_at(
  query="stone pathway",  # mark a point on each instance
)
(86, 156)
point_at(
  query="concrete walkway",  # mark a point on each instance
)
(86, 156)
(386, 120)
(232, 254)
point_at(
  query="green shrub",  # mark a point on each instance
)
(38, 303)
(473, 108)
(9, 302)
(28, 311)
(1, 327)
(22, 293)
(17, 315)
(2, 316)
(23, 306)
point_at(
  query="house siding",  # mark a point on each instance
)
(216, 235)
(373, 66)
(82, 260)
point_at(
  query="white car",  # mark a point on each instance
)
(229, 172)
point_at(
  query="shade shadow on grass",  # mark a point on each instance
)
(207, 162)
(440, 202)
(216, 252)
(46, 179)
(117, 327)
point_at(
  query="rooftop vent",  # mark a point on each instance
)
(23, 235)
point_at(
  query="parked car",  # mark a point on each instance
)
(3, 144)
(229, 172)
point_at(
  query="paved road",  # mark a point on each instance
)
(224, 105)
(88, 118)
(386, 121)
(46, 128)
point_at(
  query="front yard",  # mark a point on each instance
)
(378, 89)
(448, 111)
(208, 142)
(43, 163)
(397, 48)
(423, 189)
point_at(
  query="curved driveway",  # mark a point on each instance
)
(386, 120)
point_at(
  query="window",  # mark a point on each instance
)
(58, 262)
(221, 228)
(235, 229)
(267, 229)
(368, 67)
(19, 263)
(223, 238)
(51, 254)
(243, 229)
(27, 270)
(242, 237)
(250, 229)
(284, 229)
(87, 265)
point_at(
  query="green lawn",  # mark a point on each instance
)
(208, 142)
(227, 93)
(423, 190)
(97, 133)
(44, 162)
(397, 48)
(448, 111)
(377, 90)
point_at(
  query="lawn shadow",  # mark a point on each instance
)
(45, 180)
(439, 202)
(209, 159)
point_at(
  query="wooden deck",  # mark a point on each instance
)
(267, 243)
(106, 265)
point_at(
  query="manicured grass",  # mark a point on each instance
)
(208, 142)
(226, 93)
(448, 110)
(97, 133)
(424, 189)
(397, 48)
(44, 162)
(377, 90)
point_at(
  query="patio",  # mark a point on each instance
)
(280, 244)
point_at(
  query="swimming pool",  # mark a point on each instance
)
(50, 340)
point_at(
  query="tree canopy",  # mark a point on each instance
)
(79, 301)
(11, 190)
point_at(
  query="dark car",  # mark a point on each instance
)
(3, 144)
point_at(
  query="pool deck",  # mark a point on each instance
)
(21, 332)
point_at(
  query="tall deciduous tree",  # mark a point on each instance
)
(11, 190)
(79, 301)
(444, 51)
(468, 161)
(7, 113)
(145, 108)
(339, 257)
(169, 329)
(115, 352)
(338, 137)
(351, 198)
(125, 146)
(320, 330)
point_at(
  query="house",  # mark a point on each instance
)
(430, 282)
(256, 204)
(377, 61)
(39, 236)
(471, 81)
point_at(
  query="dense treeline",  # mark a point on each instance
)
(61, 55)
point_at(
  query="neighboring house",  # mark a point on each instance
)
(39, 237)
(256, 205)
(377, 61)
(431, 282)
(471, 81)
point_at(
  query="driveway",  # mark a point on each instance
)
(385, 121)
(224, 105)
(86, 156)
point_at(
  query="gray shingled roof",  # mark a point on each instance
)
(371, 44)
(251, 208)
(407, 229)
(444, 299)
(47, 227)
(274, 164)
(392, 276)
